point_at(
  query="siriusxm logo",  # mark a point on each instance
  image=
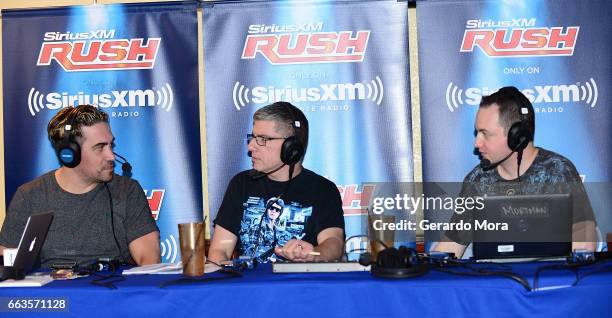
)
(586, 93)
(69, 36)
(289, 28)
(372, 90)
(162, 97)
(520, 22)
(169, 249)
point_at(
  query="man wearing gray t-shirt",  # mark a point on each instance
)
(97, 214)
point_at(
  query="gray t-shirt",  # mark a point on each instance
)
(81, 229)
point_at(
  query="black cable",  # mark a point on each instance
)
(357, 250)
(120, 258)
(211, 262)
(475, 271)
(110, 199)
(363, 235)
(540, 269)
(519, 158)
(572, 267)
(354, 236)
(101, 280)
(481, 273)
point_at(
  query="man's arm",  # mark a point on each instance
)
(330, 246)
(584, 236)
(145, 249)
(222, 245)
(449, 246)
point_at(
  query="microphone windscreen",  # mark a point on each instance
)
(485, 164)
(250, 154)
(365, 259)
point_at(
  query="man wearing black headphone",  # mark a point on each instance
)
(97, 214)
(311, 225)
(505, 127)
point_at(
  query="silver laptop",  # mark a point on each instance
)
(30, 244)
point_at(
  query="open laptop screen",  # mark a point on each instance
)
(537, 226)
(31, 242)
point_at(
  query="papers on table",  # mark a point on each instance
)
(35, 280)
(165, 268)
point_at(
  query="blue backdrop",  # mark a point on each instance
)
(343, 63)
(556, 52)
(136, 62)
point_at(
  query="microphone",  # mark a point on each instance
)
(126, 167)
(256, 174)
(365, 259)
(486, 164)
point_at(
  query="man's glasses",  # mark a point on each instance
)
(261, 140)
(275, 208)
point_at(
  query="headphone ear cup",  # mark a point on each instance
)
(381, 258)
(398, 263)
(518, 136)
(292, 151)
(405, 257)
(69, 154)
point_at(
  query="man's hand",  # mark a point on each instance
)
(297, 250)
(330, 246)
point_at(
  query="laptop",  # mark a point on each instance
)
(538, 227)
(30, 244)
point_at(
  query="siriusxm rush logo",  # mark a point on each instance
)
(372, 90)
(117, 100)
(518, 38)
(97, 50)
(586, 93)
(306, 43)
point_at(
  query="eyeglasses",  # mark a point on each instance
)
(261, 140)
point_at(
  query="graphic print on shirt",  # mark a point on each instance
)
(271, 223)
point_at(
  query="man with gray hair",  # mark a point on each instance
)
(309, 225)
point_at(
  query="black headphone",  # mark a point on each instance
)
(68, 150)
(520, 134)
(395, 263)
(292, 149)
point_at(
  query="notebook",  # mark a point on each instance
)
(538, 227)
(30, 244)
